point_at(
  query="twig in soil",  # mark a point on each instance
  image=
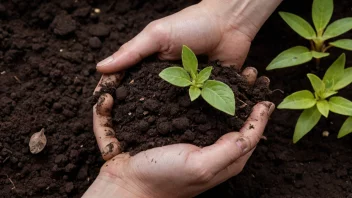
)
(279, 90)
(17, 79)
(243, 103)
(71, 97)
(264, 138)
(13, 185)
(7, 150)
(111, 6)
(5, 159)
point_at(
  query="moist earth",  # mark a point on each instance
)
(48, 52)
(149, 112)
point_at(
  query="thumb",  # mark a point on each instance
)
(146, 43)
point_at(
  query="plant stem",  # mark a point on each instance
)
(326, 48)
(317, 63)
(312, 46)
(318, 45)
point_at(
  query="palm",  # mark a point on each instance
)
(179, 166)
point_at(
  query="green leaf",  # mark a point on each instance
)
(204, 75)
(321, 14)
(340, 105)
(345, 80)
(176, 76)
(335, 72)
(318, 55)
(337, 28)
(346, 128)
(194, 92)
(306, 121)
(298, 100)
(299, 25)
(291, 57)
(345, 44)
(323, 107)
(316, 82)
(219, 95)
(189, 61)
(328, 93)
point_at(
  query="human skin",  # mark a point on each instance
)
(223, 30)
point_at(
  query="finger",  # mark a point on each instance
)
(263, 81)
(144, 44)
(233, 145)
(234, 169)
(233, 50)
(250, 74)
(253, 128)
(109, 80)
(102, 126)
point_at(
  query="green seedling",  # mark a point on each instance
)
(321, 13)
(216, 93)
(321, 102)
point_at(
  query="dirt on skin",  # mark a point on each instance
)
(48, 52)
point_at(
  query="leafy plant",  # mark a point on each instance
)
(216, 93)
(322, 101)
(321, 13)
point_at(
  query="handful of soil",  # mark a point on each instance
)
(149, 112)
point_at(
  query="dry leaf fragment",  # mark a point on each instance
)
(37, 142)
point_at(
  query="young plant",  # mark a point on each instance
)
(216, 93)
(321, 13)
(321, 102)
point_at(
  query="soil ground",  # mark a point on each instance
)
(149, 112)
(48, 52)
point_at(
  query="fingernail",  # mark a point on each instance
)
(270, 106)
(252, 69)
(105, 61)
(250, 73)
(242, 144)
(264, 80)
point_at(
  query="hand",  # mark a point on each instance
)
(180, 170)
(222, 30)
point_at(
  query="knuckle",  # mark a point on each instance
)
(133, 55)
(158, 29)
(240, 168)
(198, 172)
(123, 47)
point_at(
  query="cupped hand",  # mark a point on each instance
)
(180, 170)
(209, 28)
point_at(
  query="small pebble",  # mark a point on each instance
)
(94, 42)
(325, 133)
(97, 10)
(121, 93)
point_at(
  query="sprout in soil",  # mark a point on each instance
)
(321, 13)
(216, 93)
(321, 102)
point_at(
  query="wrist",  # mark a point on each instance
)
(246, 16)
(109, 186)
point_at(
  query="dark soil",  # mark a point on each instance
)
(48, 52)
(150, 112)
